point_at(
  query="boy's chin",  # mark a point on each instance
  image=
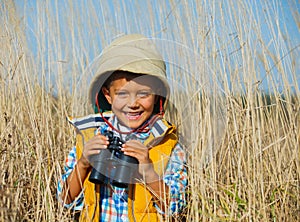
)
(132, 124)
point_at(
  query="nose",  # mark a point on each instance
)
(132, 101)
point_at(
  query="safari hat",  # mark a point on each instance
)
(132, 53)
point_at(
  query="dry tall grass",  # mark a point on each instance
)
(244, 158)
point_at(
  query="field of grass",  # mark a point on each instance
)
(242, 140)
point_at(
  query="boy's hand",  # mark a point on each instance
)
(138, 150)
(92, 147)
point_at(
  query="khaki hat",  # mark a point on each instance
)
(132, 53)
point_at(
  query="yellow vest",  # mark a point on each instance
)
(140, 199)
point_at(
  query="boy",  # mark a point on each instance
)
(130, 91)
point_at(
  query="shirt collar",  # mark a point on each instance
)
(141, 136)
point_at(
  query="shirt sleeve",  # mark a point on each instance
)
(176, 178)
(70, 163)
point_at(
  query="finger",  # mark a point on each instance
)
(96, 146)
(136, 142)
(135, 145)
(99, 137)
(134, 154)
(141, 155)
(93, 152)
(97, 141)
(102, 137)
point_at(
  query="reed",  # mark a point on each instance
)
(240, 126)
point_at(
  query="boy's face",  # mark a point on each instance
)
(132, 101)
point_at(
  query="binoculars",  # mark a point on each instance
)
(112, 164)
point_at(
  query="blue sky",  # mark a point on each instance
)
(95, 23)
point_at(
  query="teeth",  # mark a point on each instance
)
(133, 115)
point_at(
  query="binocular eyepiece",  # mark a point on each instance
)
(112, 164)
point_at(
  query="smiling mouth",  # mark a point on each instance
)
(133, 116)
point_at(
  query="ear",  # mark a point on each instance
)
(106, 93)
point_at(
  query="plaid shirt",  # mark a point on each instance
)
(114, 200)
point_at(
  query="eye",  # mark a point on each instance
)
(121, 94)
(143, 94)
